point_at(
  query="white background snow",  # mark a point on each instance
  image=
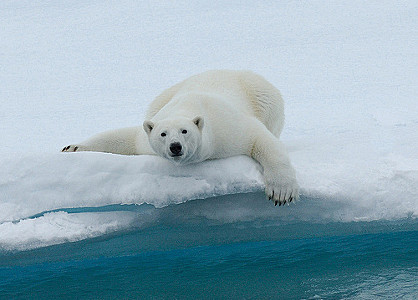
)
(69, 69)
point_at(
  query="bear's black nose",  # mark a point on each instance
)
(175, 148)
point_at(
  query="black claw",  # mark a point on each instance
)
(275, 203)
(284, 202)
(75, 148)
(280, 203)
(290, 199)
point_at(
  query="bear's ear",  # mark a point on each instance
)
(148, 126)
(198, 122)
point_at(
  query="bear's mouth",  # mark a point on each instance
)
(176, 155)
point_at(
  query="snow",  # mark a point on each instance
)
(39, 183)
(347, 71)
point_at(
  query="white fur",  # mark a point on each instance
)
(215, 114)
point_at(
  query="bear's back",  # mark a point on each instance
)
(244, 90)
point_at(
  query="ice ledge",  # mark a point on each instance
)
(30, 184)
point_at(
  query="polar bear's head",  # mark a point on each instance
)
(176, 139)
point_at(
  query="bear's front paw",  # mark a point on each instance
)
(281, 189)
(70, 148)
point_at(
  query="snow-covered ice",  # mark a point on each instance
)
(347, 71)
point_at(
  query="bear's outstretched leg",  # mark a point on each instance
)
(126, 141)
(279, 175)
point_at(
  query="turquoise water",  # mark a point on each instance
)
(241, 260)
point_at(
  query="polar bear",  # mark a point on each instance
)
(216, 114)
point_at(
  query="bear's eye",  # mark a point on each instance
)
(184, 131)
(163, 134)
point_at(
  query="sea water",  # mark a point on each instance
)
(351, 267)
